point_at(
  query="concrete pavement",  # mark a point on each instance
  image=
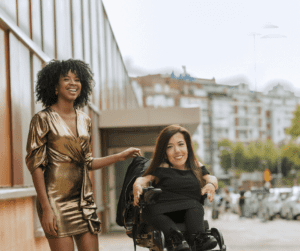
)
(239, 235)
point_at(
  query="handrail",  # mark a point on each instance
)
(8, 24)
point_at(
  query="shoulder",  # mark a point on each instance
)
(84, 116)
(41, 115)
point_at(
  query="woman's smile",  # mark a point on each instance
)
(177, 151)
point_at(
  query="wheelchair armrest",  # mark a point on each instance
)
(151, 196)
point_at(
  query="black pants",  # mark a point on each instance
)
(193, 219)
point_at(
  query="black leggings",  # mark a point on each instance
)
(193, 219)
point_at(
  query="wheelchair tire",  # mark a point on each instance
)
(219, 237)
(160, 246)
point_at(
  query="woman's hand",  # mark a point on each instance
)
(210, 190)
(130, 153)
(137, 191)
(49, 222)
(138, 185)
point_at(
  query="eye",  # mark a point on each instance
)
(169, 147)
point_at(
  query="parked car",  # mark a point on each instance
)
(256, 200)
(272, 203)
(291, 206)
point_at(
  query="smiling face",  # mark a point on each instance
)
(69, 87)
(177, 151)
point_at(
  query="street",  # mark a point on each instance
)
(239, 235)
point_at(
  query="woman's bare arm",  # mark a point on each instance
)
(211, 179)
(111, 159)
(139, 184)
(48, 218)
(210, 186)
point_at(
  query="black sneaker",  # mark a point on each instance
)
(177, 242)
(209, 242)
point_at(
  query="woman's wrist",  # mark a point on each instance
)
(212, 184)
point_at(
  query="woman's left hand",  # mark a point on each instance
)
(130, 153)
(209, 189)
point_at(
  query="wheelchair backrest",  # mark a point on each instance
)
(135, 169)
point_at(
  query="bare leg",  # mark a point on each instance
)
(87, 242)
(61, 244)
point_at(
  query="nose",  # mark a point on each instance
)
(73, 81)
(176, 149)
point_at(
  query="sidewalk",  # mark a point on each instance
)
(117, 241)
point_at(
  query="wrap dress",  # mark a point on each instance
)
(65, 160)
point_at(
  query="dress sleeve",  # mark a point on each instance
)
(204, 170)
(88, 154)
(36, 144)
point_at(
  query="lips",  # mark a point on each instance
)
(72, 90)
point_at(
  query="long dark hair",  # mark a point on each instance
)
(162, 141)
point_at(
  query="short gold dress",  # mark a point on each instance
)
(65, 160)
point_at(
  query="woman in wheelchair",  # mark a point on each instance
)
(184, 183)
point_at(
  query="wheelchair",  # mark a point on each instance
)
(145, 235)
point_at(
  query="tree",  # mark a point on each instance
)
(226, 153)
(294, 130)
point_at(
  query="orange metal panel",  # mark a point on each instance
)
(5, 125)
(17, 231)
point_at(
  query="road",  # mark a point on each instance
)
(239, 235)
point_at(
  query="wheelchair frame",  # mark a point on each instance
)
(147, 236)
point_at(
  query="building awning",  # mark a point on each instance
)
(151, 117)
(142, 126)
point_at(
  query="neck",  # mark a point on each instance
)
(180, 167)
(64, 106)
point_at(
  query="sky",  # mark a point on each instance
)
(256, 42)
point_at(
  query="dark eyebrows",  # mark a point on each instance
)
(180, 141)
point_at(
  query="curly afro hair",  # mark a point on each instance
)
(48, 77)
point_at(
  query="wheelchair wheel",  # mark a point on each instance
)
(159, 242)
(219, 237)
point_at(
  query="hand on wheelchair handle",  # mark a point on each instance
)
(209, 190)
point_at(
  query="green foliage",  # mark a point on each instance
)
(259, 155)
(294, 130)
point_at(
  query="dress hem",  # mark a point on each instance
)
(67, 235)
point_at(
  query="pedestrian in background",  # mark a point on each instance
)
(59, 156)
(242, 204)
(227, 202)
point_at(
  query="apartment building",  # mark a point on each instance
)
(227, 112)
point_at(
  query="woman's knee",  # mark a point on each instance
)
(87, 242)
(61, 244)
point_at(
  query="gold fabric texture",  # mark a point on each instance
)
(65, 159)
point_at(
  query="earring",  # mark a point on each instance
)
(56, 92)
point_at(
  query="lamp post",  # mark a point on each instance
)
(268, 36)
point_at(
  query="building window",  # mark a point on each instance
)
(157, 88)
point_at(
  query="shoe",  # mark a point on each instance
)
(209, 242)
(177, 241)
(204, 242)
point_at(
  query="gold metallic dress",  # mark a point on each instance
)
(65, 160)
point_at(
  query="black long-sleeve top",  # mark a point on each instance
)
(180, 190)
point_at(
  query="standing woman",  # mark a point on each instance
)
(59, 156)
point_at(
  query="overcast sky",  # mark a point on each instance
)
(212, 38)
